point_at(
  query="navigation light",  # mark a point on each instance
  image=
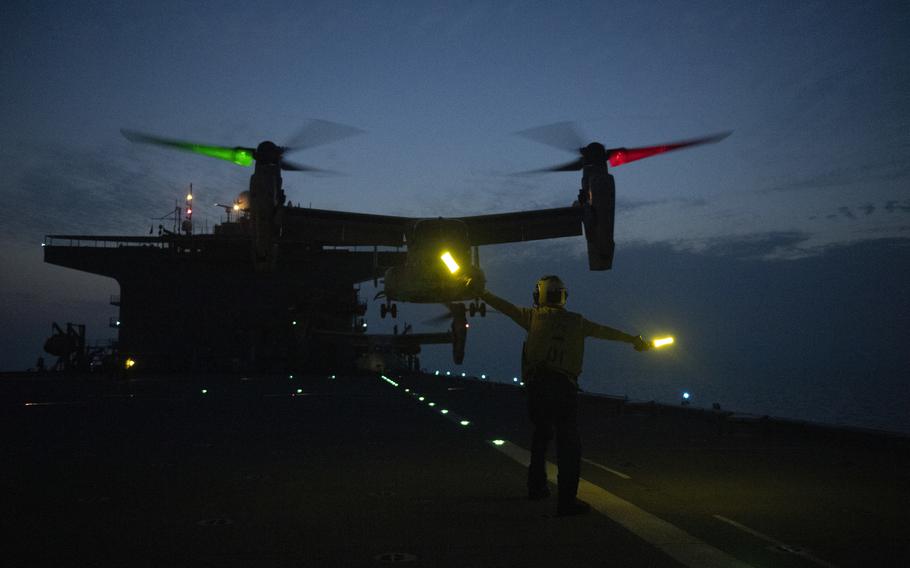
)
(128, 364)
(450, 262)
(657, 343)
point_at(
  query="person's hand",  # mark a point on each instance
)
(640, 344)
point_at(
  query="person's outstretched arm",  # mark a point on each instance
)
(521, 316)
(605, 332)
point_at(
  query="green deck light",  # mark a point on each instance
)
(204, 391)
(465, 422)
(498, 442)
(444, 411)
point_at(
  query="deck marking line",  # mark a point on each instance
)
(672, 540)
(775, 542)
(605, 468)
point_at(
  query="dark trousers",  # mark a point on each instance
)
(553, 407)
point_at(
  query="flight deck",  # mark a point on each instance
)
(424, 470)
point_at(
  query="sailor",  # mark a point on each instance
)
(551, 362)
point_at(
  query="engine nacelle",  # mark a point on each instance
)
(599, 215)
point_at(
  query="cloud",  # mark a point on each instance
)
(755, 246)
(860, 212)
(91, 191)
(882, 171)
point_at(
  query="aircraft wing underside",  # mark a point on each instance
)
(524, 226)
(344, 228)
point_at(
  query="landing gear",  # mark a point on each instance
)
(388, 309)
(474, 308)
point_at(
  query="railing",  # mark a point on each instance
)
(95, 241)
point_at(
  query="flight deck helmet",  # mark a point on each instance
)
(551, 292)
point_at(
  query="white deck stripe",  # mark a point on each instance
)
(774, 541)
(605, 468)
(675, 542)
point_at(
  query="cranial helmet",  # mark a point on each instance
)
(550, 291)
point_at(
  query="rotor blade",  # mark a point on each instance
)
(292, 167)
(562, 135)
(238, 155)
(318, 132)
(620, 156)
(447, 315)
(437, 319)
(573, 166)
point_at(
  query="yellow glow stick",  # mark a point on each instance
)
(662, 341)
(450, 262)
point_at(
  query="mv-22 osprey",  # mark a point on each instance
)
(436, 248)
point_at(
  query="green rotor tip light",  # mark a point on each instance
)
(240, 156)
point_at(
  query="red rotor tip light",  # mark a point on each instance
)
(620, 156)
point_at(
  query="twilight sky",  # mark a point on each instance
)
(791, 234)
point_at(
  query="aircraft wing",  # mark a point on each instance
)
(524, 226)
(343, 228)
